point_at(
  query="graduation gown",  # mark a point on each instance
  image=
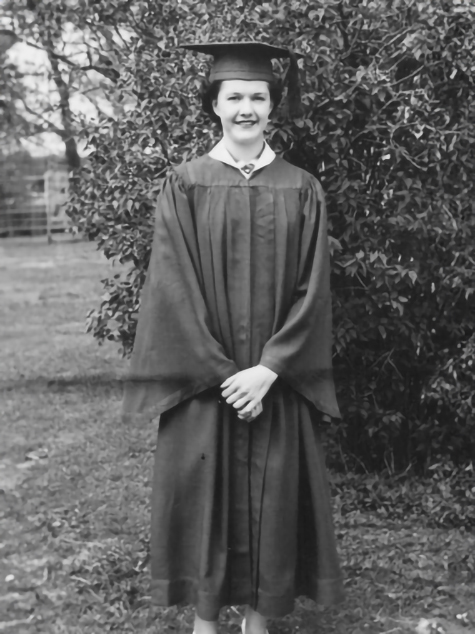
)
(238, 276)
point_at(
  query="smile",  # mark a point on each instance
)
(246, 124)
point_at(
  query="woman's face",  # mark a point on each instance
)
(244, 108)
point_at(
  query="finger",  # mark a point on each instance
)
(246, 417)
(234, 397)
(241, 402)
(249, 418)
(255, 404)
(256, 411)
(248, 409)
(228, 381)
(250, 414)
(230, 390)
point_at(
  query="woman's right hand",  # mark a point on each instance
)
(251, 415)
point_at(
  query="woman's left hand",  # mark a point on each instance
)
(246, 389)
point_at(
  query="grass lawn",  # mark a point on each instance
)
(75, 486)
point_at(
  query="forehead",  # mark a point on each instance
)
(243, 87)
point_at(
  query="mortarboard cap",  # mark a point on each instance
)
(250, 61)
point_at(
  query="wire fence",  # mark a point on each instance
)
(33, 193)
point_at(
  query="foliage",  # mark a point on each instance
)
(61, 88)
(388, 127)
(443, 499)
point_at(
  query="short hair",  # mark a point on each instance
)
(209, 91)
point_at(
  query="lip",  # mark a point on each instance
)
(246, 124)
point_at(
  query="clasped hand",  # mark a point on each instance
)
(246, 389)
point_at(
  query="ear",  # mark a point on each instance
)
(214, 105)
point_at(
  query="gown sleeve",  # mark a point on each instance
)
(300, 352)
(175, 355)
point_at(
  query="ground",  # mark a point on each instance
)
(75, 486)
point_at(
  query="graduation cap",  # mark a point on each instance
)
(251, 61)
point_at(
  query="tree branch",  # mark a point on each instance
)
(51, 126)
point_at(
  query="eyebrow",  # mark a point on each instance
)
(254, 94)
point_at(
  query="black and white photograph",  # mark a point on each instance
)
(237, 316)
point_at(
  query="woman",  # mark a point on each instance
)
(233, 350)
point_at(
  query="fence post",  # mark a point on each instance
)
(47, 195)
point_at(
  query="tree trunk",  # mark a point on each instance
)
(72, 157)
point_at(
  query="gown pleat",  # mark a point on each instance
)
(241, 511)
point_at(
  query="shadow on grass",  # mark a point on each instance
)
(90, 383)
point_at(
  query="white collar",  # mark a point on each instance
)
(221, 153)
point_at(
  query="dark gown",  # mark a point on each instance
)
(239, 275)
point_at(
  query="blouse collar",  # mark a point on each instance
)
(220, 153)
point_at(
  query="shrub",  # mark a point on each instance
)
(388, 128)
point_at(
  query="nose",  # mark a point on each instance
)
(246, 109)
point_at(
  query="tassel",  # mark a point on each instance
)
(292, 80)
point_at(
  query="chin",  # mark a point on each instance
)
(247, 136)
(243, 138)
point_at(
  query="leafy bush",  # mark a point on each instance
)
(388, 128)
(445, 498)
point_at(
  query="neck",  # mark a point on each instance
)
(241, 152)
